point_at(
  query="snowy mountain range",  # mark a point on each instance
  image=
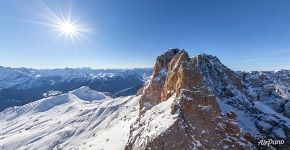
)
(187, 103)
(19, 86)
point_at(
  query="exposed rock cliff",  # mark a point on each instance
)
(199, 122)
(151, 94)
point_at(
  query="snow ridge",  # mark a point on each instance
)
(67, 121)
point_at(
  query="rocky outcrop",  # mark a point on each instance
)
(200, 123)
(151, 93)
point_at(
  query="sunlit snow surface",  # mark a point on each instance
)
(80, 119)
(153, 123)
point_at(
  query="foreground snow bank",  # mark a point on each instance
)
(79, 119)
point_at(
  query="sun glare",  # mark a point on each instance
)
(69, 29)
(64, 23)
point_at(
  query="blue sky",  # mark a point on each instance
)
(245, 35)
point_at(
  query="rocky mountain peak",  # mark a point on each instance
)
(207, 57)
(163, 60)
(217, 75)
(200, 123)
(153, 88)
(175, 70)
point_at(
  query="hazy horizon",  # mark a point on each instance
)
(244, 35)
(75, 68)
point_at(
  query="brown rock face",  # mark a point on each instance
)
(151, 94)
(175, 81)
(200, 124)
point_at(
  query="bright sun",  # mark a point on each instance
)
(63, 23)
(67, 28)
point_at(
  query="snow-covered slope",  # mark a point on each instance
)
(19, 86)
(154, 122)
(270, 87)
(82, 118)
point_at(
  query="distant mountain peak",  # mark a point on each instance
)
(87, 94)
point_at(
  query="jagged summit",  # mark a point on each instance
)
(163, 60)
(175, 70)
(173, 54)
(199, 123)
(217, 107)
(206, 56)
